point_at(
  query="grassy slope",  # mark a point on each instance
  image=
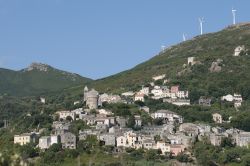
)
(104, 159)
(206, 48)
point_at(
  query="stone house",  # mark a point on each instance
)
(133, 139)
(178, 102)
(243, 139)
(163, 146)
(205, 101)
(103, 119)
(145, 91)
(129, 139)
(60, 131)
(191, 61)
(167, 115)
(108, 139)
(176, 149)
(139, 97)
(25, 138)
(64, 114)
(218, 130)
(128, 94)
(101, 127)
(90, 119)
(181, 138)
(228, 97)
(87, 132)
(217, 118)
(148, 143)
(157, 91)
(189, 129)
(216, 139)
(117, 130)
(80, 113)
(237, 97)
(121, 121)
(182, 94)
(121, 141)
(238, 50)
(105, 112)
(60, 125)
(158, 130)
(54, 139)
(175, 89)
(44, 142)
(68, 140)
(109, 98)
(138, 121)
(159, 77)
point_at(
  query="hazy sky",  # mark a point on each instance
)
(97, 38)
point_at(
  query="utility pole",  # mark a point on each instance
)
(6, 123)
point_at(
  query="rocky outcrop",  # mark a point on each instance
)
(216, 66)
(38, 66)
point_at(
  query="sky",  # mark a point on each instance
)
(97, 38)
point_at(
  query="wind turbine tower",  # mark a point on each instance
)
(184, 37)
(163, 48)
(201, 20)
(234, 16)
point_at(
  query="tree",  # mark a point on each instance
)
(131, 122)
(137, 154)
(129, 150)
(71, 153)
(78, 125)
(55, 147)
(184, 158)
(88, 145)
(151, 154)
(157, 138)
(227, 142)
(158, 121)
(159, 82)
(108, 148)
(232, 155)
(139, 103)
(246, 160)
(28, 151)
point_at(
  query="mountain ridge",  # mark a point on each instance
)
(36, 79)
(207, 49)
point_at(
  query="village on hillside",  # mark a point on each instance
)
(170, 135)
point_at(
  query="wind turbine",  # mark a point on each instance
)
(201, 20)
(163, 48)
(234, 16)
(184, 37)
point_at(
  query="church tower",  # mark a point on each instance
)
(85, 93)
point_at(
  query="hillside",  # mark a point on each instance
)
(234, 75)
(36, 79)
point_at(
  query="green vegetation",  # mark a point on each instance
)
(61, 89)
(208, 155)
(33, 82)
(234, 76)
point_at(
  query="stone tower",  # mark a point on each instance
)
(92, 99)
(85, 93)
